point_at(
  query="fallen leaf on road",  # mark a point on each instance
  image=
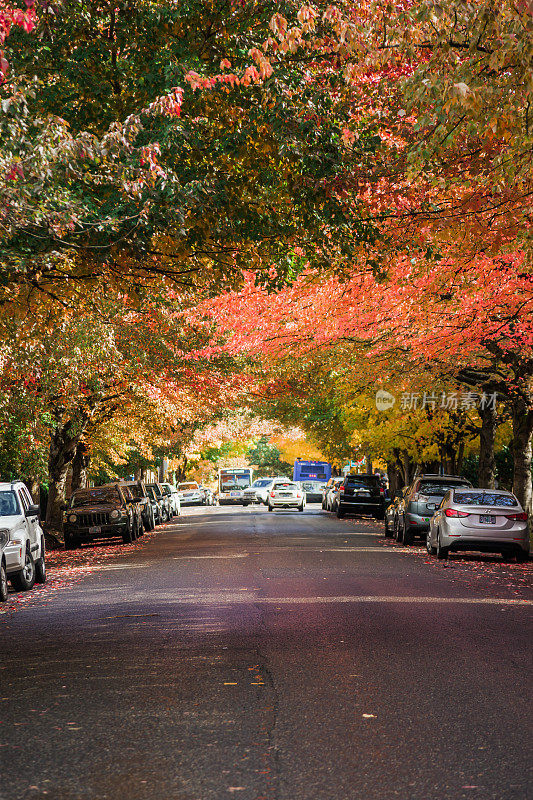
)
(369, 716)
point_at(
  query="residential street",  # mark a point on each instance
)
(237, 653)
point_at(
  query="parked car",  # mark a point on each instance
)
(329, 490)
(157, 504)
(22, 549)
(101, 512)
(258, 491)
(419, 503)
(391, 512)
(191, 494)
(136, 491)
(4, 539)
(286, 494)
(164, 500)
(313, 491)
(486, 520)
(172, 493)
(359, 494)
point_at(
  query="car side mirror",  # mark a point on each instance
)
(32, 511)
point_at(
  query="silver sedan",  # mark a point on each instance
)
(486, 520)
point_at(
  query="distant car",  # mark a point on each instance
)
(210, 497)
(486, 520)
(101, 512)
(359, 494)
(156, 501)
(22, 550)
(137, 491)
(172, 493)
(313, 491)
(391, 512)
(164, 500)
(420, 501)
(191, 494)
(258, 491)
(286, 494)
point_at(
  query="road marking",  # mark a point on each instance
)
(194, 558)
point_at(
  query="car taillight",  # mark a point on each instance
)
(298, 494)
(520, 515)
(382, 492)
(452, 512)
(272, 493)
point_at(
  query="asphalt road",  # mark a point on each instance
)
(242, 654)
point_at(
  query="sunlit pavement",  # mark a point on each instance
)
(284, 656)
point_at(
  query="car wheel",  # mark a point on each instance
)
(301, 508)
(398, 534)
(3, 582)
(380, 515)
(442, 552)
(72, 542)
(128, 536)
(270, 507)
(388, 532)
(429, 547)
(340, 511)
(40, 566)
(522, 556)
(25, 579)
(407, 536)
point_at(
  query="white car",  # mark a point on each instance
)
(286, 494)
(175, 502)
(486, 520)
(258, 491)
(190, 493)
(23, 551)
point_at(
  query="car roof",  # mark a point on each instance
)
(11, 484)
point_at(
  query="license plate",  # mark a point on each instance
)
(363, 494)
(235, 494)
(487, 519)
(95, 529)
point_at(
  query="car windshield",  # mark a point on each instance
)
(484, 499)
(261, 482)
(91, 497)
(187, 487)
(8, 504)
(362, 480)
(438, 488)
(156, 489)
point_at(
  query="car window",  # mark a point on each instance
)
(261, 482)
(437, 488)
(183, 487)
(9, 505)
(287, 485)
(135, 491)
(89, 497)
(23, 500)
(484, 499)
(362, 480)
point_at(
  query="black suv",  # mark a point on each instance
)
(101, 512)
(360, 494)
(138, 493)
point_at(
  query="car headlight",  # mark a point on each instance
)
(115, 514)
(72, 518)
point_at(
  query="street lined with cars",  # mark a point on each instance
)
(261, 642)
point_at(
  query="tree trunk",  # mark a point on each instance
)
(62, 451)
(522, 452)
(80, 463)
(487, 464)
